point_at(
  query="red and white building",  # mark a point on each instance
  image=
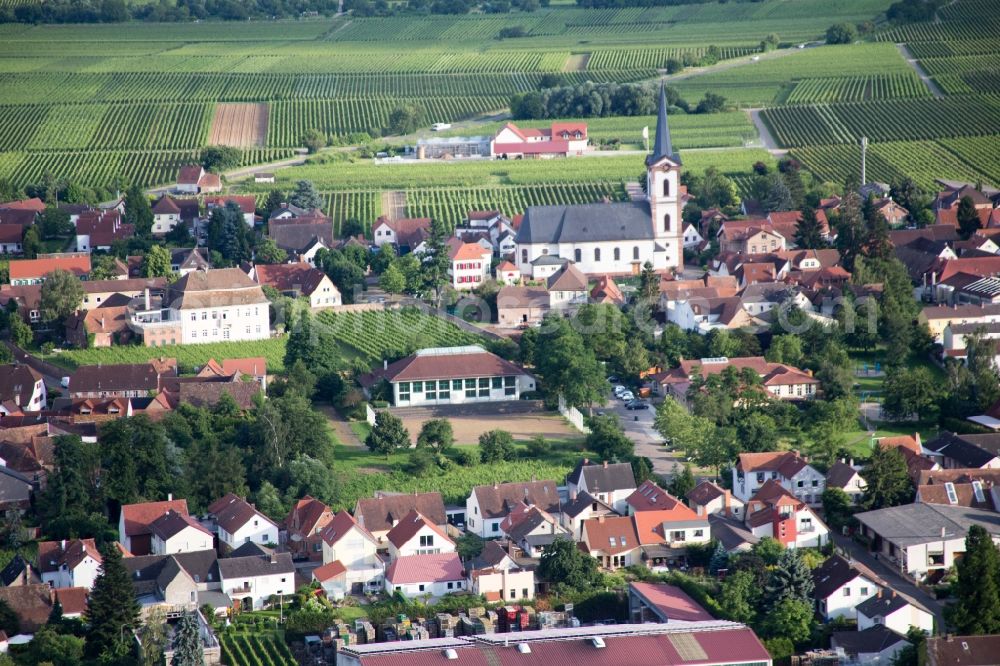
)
(434, 576)
(559, 140)
(470, 266)
(774, 512)
(787, 468)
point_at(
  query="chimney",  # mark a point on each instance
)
(170, 497)
(605, 464)
(385, 364)
(726, 498)
(600, 519)
(586, 461)
(62, 545)
(145, 296)
(102, 323)
(274, 557)
(496, 486)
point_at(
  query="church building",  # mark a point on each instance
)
(614, 238)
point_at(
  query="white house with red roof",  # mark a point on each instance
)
(789, 469)
(774, 512)
(507, 273)
(452, 375)
(404, 232)
(470, 266)
(69, 563)
(560, 140)
(781, 381)
(299, 280)
(707, 499)
(333, 579)
(356, 549)
(613, 541)
(531, 528)
(175, 532)
(415, 535)
(247, 204)
(193, 179)
(135, 520)
(434, 576)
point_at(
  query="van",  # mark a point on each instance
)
(440, 127)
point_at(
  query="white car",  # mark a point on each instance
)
(626, 397)
(619, 389)
(64, 382)
(440, 127)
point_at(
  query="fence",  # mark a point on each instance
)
(369, 414)
(573, 415)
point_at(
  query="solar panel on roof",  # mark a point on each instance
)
(949, 488)
(977, 488)
(688, 647)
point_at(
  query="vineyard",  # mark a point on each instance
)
(254, 649)
(857, 89)
(392, 333)
(188, 356)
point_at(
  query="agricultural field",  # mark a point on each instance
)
(254, 649)
(188, 356)
(376, 334)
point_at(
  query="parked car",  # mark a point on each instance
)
(636, 404)
(64, 382)
(619, 390)
(626, 397)
(440, 127)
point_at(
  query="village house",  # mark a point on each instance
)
(875, 645)
(583, 506)
(565, 290)
(22, 389)
(175, 583)
(99, 230)
(787, 468)
(246, 203)
(470, 266)
(496, 576)
(425, 576)
(531, 529)
(844, 476)
(751, 237)
(33, 271)
(193, 179)
(781, 381)
(238, 522)
(168, 212)
(976, 488)
(251, 580)
(415, 535)
(972, 650)
(69, 563)
(614, 238)
(840, 585)
(299, 280)
(561, 139)
(606, 291)
(214, 305)
(304, 526)
(299, 232)
(775, 512)
(344, 540)
(487, 506)
(451, 375)
(103, 326)
(332, 578)
(134, 531)
(11, 236)
(507, 274)
(611, 483)
(894, 611)
(612, 541)
(175, 532)
(708, 499)
(133, 380)
(380, 513)
(406, 234)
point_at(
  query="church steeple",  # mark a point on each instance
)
(662, 146)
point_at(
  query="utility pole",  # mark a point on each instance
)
(864, 154)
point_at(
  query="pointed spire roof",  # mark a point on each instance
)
(662, 146)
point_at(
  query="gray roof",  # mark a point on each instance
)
(596, 222)
(730, 533)
(662, 146)
(147, 571)
(492, 555)
(872, 640)
(834, 574)
(912, 524)
(575, 507)
(969, 450)
(604, 478)
(548, 260)
(253, 565)
(839, 475)
(886, 604)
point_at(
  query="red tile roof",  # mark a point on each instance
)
(341, 524)
(300, 277)
(138, 517)
(408, 527)
(307, 514)
(671, 601)
(328, 571)
(52, 555)
(247, 203)
(27, 269)
(72, 599)
(420, 367)
(411, 569)
(533, 147)
(611, 535)
(254, 366)
(650, 497)
(470, 252)
(34, 204)
(189, 174)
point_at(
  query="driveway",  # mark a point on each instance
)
(890, 575)
(638, 425)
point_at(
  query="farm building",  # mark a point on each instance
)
(559, 140)
(453, 146)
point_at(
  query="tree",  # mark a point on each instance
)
(607, 438)
(112, 611)
(977, 607)
(31, 243)
(841, 33)
(785, 349)
(887, 481)
(154, 637)
(61, 295)
(387, 435)
(809, 231)
(777, 196)
(567, 366)
(719, 560)
(649, 285)
(227, 233)
(220, 158)
(314, 140)
(434, 261)
(909, 391)
(562, 562)
(837, 507)
(305, 196)
(405, 119)
(436, 434)
(8, 619)
(392, 280)
(156, 263)
(682, 483)
(268, 252)
(188, 650)
(738, 596)
(496, 446)
(769, 550)
(682, 430)
(791, 619)
(711, 103)
(48, 646)
(274, 200)
(968, 217)
(20, 333)
(55, 223)
(790, 580)
(138, 211)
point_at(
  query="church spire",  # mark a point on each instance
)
(663, 147)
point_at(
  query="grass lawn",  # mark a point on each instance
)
(188, 356)
(352, 613)
(360, 429)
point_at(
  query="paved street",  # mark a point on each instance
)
(638, 425)
(895, 579)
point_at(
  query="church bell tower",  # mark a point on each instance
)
(663, 181)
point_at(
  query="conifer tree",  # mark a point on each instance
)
(188, 650)
(977, 610)
(887, 480)
(809, 232)
(112, 611)
(720, 559)
(790, 580)
(682, 483)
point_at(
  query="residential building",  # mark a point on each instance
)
(33, 271)
(22, 389)
(775, 512)
(470, 266)
(894, 611)
(607, 291)
(663, 603)
(650, 497)
(708, 499)
(99, 230)
(487, 506)
(133, 380)
(664, 536)
(750, 237)
(295, 230)
(176, 583)
(381, 513)
(715, 643)
(580, 508)
(186, 260)
(565, 290)
(783, 382)
(875, 645)
(733, 534)
(692, 238)
(966, 451)
(168, 212)
(840, 585)
(612, 483)
(451, 375)
(787, 468)
(431, 576)
(612, 541)
(332, 578)
(299, 280)
(134, 523)
(562, 139)
(246, 203)
(404, 233)
(939, 317)
(532, 529)
(496, 576)
(507, 274)
(952, 650)
(214, 305)
(253, 579)
(614, 238)
(917, 539)
(69, 563)
(18, 573)
(843, 475)
(239, 522)
(304, 526)
(16, 490)
(974, 488)
(415, 535)
(349, 543)
(103, 326)
(10, 237)
(31, 605)
(193, 179)
(175, 532)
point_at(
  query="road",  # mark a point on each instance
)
(765, 134)
(891, 576)
(638, 426)
(912, 62)
(735, 62)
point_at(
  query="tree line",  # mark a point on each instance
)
(598, 100)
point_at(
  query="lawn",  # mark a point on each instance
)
(188, 357)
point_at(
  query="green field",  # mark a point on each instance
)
(241, 648)
(378, 334)
(188, 356)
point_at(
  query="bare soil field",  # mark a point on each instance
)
(240, 125)
(470, 421)
(577, 62)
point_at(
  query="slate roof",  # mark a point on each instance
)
(497, 500)
(731, 533)
(490, 557)
(839, 475)
(110, 378)
(603, 478)
(872, 640)
(662, 145)
(965, 650)
(17, 568)
(412, 569)
(583, 500)
(146, 571)
(30, 603)
(567, 278)
(885, 604)
(598, 222)
(15, 489)
(253, 565)
(836, 572)
(377, 514)
(232, 512)
(172, 523)
(17, 383)
(963, 448)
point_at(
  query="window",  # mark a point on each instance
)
(760, 477)
(418, 387)
(470, 383)
(204, 316)
(451, 585)
(666, 187)
(426, 540)
(699, 533)
(496, 527)
(597, 254)
(635, 253)
(194, 317)
(864, 591)
(666, 222)
(524, 593)
(456, 385)
(618, 254)
(847, 591)
(513, 593)
(799, 484)
(815, 483)
(497, 382)
(421, 587)
(577, 255)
